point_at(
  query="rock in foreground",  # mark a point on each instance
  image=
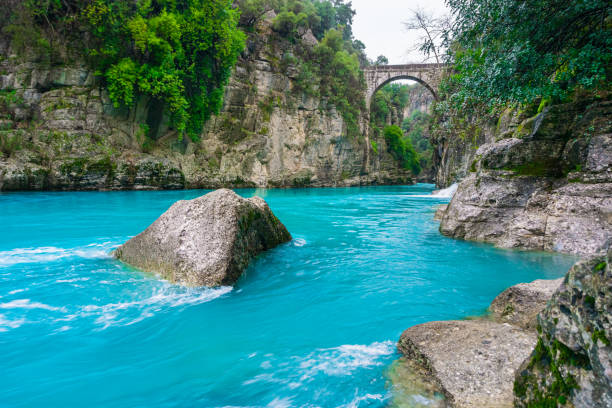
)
(473, 361)
(571, 365)
(207, 241)
(520, 304)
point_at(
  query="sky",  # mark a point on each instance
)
(378, 24)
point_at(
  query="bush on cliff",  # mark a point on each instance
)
(401, 148)
(177, 52)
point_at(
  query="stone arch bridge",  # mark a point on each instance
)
(428, 75)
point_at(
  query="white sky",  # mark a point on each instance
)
(378, 24)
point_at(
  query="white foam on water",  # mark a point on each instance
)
(448, 192)
(6, 324)
(356, 402)
(299, 242)
(344, 360)
(27, 304)
(49, 254)
(280, 403)
(120, 313)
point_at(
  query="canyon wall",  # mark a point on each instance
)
(540, 180)
(60, 131)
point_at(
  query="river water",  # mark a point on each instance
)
(312, 323)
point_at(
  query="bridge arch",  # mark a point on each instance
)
(428, 75)
(408, 77)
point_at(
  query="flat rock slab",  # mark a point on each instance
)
(520, 304)
(473, 361)
(207, 241)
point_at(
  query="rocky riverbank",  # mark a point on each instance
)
(553, 336)
(473, 362)
(540, 182)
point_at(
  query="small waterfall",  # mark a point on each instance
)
(446, 192)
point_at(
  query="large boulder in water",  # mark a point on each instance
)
(207, 241)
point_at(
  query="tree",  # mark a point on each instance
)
(517, 51)
(253, 10)
(401, 148)
(381, 60)
(432, 31)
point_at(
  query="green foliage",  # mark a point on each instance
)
(381, 60)
(295, 17)
(374, 146)
(416, 128)
(9, 143)
(401, 148)
(601, 336)
(341, 79)
(516, 51)
(178, 52)
(395, 98)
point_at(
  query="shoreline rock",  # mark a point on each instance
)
(207, 241)
(520, 304)
(542, 182)
(571, 364)
(474, 362)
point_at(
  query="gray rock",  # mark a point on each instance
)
(572, 362)
(207, 241)
(472, 361)
(520, 304)
(542, 182)
(440, 210)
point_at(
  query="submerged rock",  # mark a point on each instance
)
(472, 361)
(520, 304)
(572, 361)
(207, 241)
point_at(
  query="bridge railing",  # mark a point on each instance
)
(404, 67)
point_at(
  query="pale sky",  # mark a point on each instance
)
(378, 24)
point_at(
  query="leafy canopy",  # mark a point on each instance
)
(515, 51)
(179, 52)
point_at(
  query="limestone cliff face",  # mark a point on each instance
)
(571, 365)
(540, 182)
(59, 130)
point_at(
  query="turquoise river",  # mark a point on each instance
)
(312, 323)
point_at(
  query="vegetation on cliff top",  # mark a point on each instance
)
(181, 53)
(177, 52)
(329, 70)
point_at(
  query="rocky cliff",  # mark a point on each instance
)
(537, 181)
(59, 130)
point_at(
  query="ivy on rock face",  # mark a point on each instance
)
(179, 52)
